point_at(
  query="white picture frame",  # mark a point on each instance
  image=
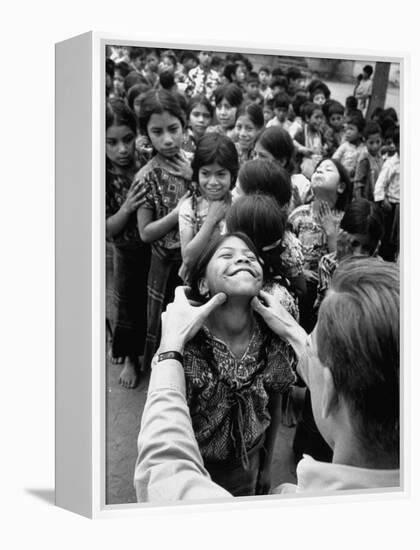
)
(80, 276)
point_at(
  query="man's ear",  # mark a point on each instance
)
(203, 288)
(329, 400)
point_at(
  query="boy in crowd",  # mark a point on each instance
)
(264, 80)
(350, 150)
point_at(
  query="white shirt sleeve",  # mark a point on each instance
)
(381, 184)
(169, 465)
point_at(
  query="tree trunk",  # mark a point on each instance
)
(379, 87)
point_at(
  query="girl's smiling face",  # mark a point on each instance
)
(165, 132)
(120, 145)
(199, 119)
(214, 181)
(226, 114)
(326, 179)
(233, 269)
(246, 132)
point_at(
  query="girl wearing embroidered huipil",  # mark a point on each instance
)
(236, 370)
(165, 179)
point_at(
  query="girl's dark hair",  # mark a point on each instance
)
(268, 177)
(119, 114)
(158, 102)
(343, 199)
(278, 142)
(230, 70)
(200, 99)
(123, 68)
(198, 269)
(135, 91)
(231, 92)
(364, 218)
(254, 113)
(260, 217)
(214, 147)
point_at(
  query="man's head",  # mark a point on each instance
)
(354, 362)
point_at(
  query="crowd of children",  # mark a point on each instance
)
(198, 144)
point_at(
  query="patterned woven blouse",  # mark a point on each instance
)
(228, 397)
(164, 189)
(311, 234)
(203, 82)
(117, 187)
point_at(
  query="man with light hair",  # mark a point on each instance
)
(350, 363)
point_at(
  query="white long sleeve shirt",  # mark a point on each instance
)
(388, 183)
(169, 466)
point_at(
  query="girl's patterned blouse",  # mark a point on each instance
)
(228, 397)
(164, 189)
(117, 187)
(312, 236)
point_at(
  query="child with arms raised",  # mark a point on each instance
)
(316, 225)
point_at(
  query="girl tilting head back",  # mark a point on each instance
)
(236, 370)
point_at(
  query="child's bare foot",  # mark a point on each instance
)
(115, 360)
(129, 376)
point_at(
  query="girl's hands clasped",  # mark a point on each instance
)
(218, 210)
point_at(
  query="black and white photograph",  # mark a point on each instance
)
(252, 274)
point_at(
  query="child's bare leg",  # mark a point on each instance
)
(129, 376)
